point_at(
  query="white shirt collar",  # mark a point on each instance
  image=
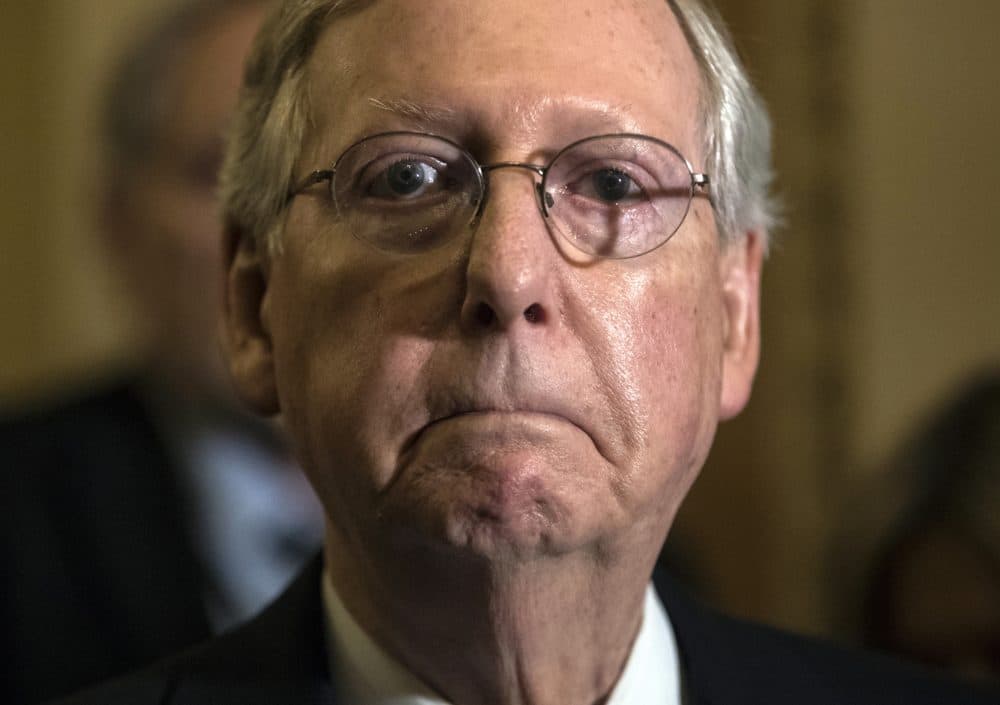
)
(364, 674)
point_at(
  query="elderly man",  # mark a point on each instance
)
(497, 265)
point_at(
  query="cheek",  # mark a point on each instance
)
(674, 355)
(349, 362)
(684, 372)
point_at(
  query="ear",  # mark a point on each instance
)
(247, 338)
(741, 264)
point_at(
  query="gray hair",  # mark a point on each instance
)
(736, 129)
(271, 118)
(135, 104)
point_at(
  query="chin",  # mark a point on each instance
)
(481, 530)
(482, 513)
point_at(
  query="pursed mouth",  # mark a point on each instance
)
(513, 412)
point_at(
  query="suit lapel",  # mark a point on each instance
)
(278, 657)
(709, 673)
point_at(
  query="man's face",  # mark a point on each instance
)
(417, 417)
(163, 228)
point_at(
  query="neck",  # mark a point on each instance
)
(497, 632)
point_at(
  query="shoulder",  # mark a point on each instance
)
(792, 668)
(214, 672)
(149, 687)
(277, 657)
(76, 429)
(78, 457)
(89, 515)
(89, 402)
(728, 660)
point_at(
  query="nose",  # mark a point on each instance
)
(509, 274)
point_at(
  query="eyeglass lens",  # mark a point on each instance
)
(613, 196)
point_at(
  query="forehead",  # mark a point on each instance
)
(511, 72)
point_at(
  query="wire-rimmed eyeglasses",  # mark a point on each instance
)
(612, 196)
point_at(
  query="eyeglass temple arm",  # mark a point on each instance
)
(701, 187)
(313, 178)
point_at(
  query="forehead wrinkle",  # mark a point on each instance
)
(488, 114)
(538, 127)
(543, 123)
(527, 113)
(568, 114)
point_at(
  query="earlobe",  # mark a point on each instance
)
(247, 336)
(741, 263)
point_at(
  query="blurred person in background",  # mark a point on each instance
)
(933, 592)
(149, 513)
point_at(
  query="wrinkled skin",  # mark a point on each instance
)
(498, 484)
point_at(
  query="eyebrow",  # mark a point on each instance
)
(422, 114)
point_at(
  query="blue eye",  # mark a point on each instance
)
(403, 179)
(603, 184)
(611, 184)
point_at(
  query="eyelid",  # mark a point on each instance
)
(380, 165)
(642, 179)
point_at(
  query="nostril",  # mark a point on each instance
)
(534, 314)
(485, 315)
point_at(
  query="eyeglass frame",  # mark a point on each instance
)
(700, 181)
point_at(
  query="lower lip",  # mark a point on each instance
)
(471, 438)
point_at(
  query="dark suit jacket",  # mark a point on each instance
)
(100, 576)
(280, 657)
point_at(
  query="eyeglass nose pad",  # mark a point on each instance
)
(545, 198)
(478, 202)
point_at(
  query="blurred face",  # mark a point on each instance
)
(493, 396)
(164, 229)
